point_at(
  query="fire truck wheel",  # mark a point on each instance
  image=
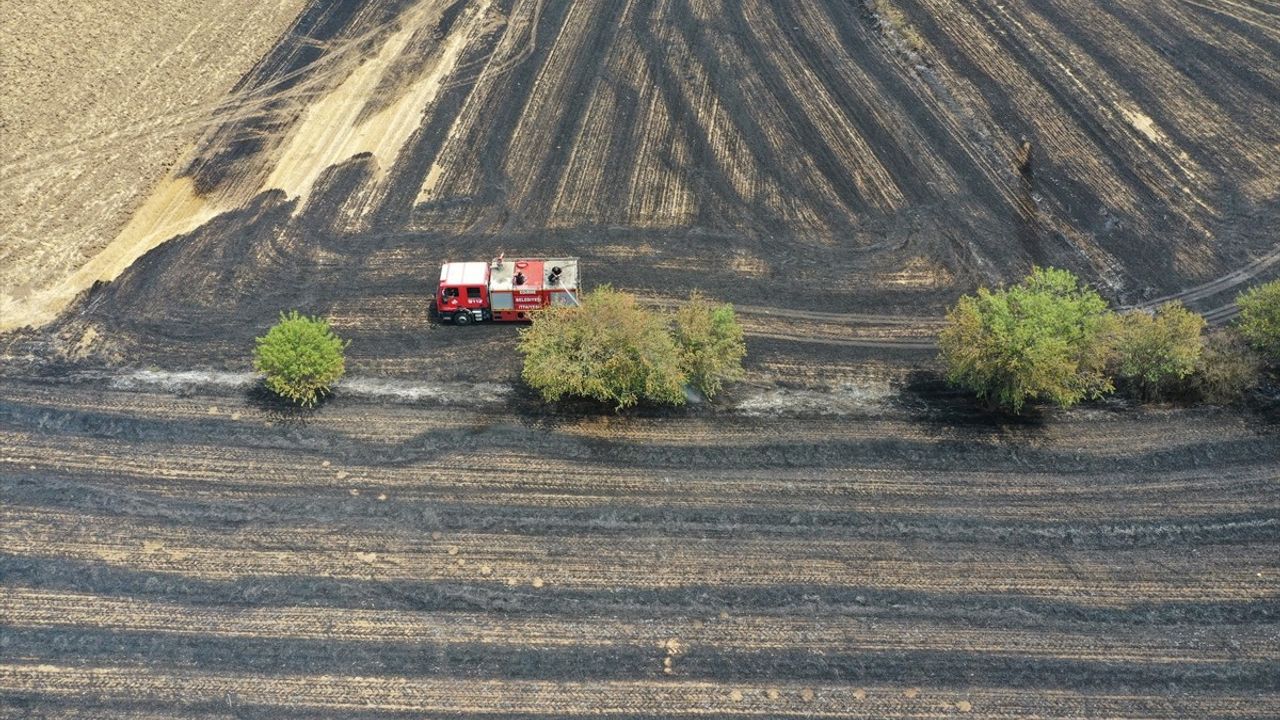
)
(462, 318)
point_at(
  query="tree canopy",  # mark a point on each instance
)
(711, 343)
(609, 348)
(1228, 368)
(301, 357)
(1042, 339)
(1259, 319)
(1153, 351)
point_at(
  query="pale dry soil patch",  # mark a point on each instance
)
(98, 100)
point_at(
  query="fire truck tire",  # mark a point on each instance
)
(462, 318)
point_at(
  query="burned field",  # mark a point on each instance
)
(839, 536)
(869, 152)
(469, 556)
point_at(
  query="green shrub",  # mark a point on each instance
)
(1228, 368)
(1152, 352)
(608, 349)
(1259, 320)
(711, 343)
(301, 357)
(1043, 339)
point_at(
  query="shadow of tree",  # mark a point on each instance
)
(280, 410)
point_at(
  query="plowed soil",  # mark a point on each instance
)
(836, 536)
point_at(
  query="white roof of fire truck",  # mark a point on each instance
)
(464, 273)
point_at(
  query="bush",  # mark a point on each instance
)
(1259, 321)
(301, 357)
(1228, 368)
(710, 342)
(1152, 352)
(609, 349)
(1043, 339)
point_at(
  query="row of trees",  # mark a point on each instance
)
(1050, 338)
(611, 349)
(615, 350)
(1047, 339)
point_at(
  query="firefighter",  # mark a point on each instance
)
(1022, 158)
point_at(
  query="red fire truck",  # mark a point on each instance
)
(504, 290)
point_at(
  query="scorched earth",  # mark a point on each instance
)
(839, 536)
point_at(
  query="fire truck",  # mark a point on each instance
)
(504, 290)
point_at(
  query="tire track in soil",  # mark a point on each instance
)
(651, 698)
(45, 609)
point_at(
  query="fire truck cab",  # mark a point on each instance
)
(504, 290)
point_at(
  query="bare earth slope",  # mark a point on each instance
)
(836, 537)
